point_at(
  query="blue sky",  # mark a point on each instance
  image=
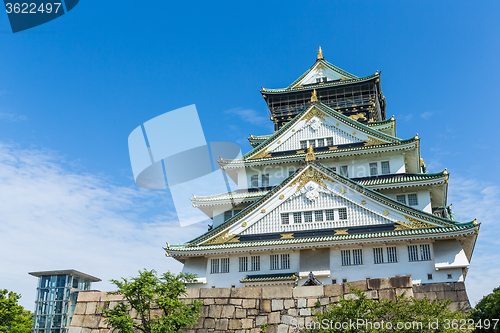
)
(72, 90)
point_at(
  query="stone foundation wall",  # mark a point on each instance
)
(242, 310)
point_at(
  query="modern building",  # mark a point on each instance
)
(56, 297)
(332, 191)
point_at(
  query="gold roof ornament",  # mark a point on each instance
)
(445, 171)
(310, 154)
(320, 54)
(314, 96)
(422, 163)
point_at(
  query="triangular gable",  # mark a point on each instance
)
(367, 206)
(319, 122)
(320, 69)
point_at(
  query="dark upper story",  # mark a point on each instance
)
(360, 98)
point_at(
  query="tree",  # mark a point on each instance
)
(487, 313)
(358, 313)
(155, 301)
(13, 317)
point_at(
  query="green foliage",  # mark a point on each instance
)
(263, 328)
(485, 311)
(402, 315)
(156, 302)
(13, 317)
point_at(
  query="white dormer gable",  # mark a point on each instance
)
(318, 74)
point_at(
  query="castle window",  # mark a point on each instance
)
(228, 215)
(275, 262)
(344, 170)
(280, 261)
(425, 252)
(329, 141)
(214, 266)
(265, 180)
(429, 276)
(346, 257)
(401, 198)
(255, 263)
(285, 218)
(312, 143)
(423, 255)
(373, 169)
(321, 142)
(330, 215)
(285, 261)
(308, 217)
(318, 216)
(412, 199)
(450, 276)
(378, 255)
(357, 256)
(303, 144)
(343, 213)
(254, 180)
(392, 254)
(297, 217)
(385, 167)
(243, 264)
(224, 265)
(412, 253)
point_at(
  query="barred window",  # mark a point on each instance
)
(334, 169)
(275, 262)
(425, 252)
(343, 213)
(357, 256)
(303, 144)
(378, 255)
(373, 169)
(321, 142)
(344, 170)
(412, 199)
(265, 180)
(285, 261)
(224, 265)
(308, 216)
(236, 211)
(254, 180)
(285, 218)
(214, 266)
(401, 198)
(243, 264)
(385, 167)
(346, 257)
(227, 215)
(255, 263)
(329, 141)
(318, 216)
(330, 215)
(412, 253)
(392, 254)
(312, 143)
(297, 217)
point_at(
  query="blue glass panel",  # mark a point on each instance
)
(61, 281)
(59, 294)
(45, 282)
(53, 281)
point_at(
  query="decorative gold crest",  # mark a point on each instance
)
(263, 210)
(287, 236)
(341, 232)
(412, 223)
(386, 212)
(223, 238)
(314, 112)
(363, 202)
(373, 142)
(306, 177)
(244, 224)
(263, 154)
(333, 148)
(282, 197)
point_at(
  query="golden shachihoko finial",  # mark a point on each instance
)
(314, 96)
(320, 54)
(310, 154)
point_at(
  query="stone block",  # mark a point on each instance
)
(247, 323)
(282, 328)
(276, 292)
(377, 284)
(91, 307)
(77, 320)
(241, 313)
(301, 303)
(234, 324)
(276, 304)
(272, 329)
(255, 330)
(235, 301)
(208, 301)
(105, 297)
(94, 331)
(80, 308)
(209, 323)
(73, 329)
(333, 290)
(387, 293)
(227, 311)
(221, 301)
(260, 320)
(462, 296)
(222, 324)
(215, 311)
(324, 301)
(199, 323)
(289, 303)
(361, 285)
(215, 292)
(273, 318)
(89, 296)
(86, 330)
(204, 311)
(112, 305)
(252, 312)
(102, 323)
(91, 321)
(401, 282)
(305, 312)
(408, 292)
(351, 296)
(311, 302)
(193, 293)
(334, 299)
(373, 294)
(246, 292)
(286, 320)
(265, 305)
(248, 303)
(309, 291)
(293, 312)
(104, 330)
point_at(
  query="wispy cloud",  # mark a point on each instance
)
(10, 116)
(426, 115)
(4, 92)
(409, 117)
(251, 116)
(472, 198)
(52, 217)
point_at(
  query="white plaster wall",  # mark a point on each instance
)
(423, 197)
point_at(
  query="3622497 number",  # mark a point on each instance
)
(32, 8)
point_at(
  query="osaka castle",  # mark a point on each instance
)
(332, 196)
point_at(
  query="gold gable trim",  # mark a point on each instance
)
(223, 238)
(412, 223)
(263, 154)
(315, 112)
(373, 142)
(307, 176)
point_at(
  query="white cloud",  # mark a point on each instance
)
(409, 117)
(426, 115)
(54, 218)
(251, 116)
(10, 116)
(472, 198)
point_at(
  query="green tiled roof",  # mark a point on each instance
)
(270, 277)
